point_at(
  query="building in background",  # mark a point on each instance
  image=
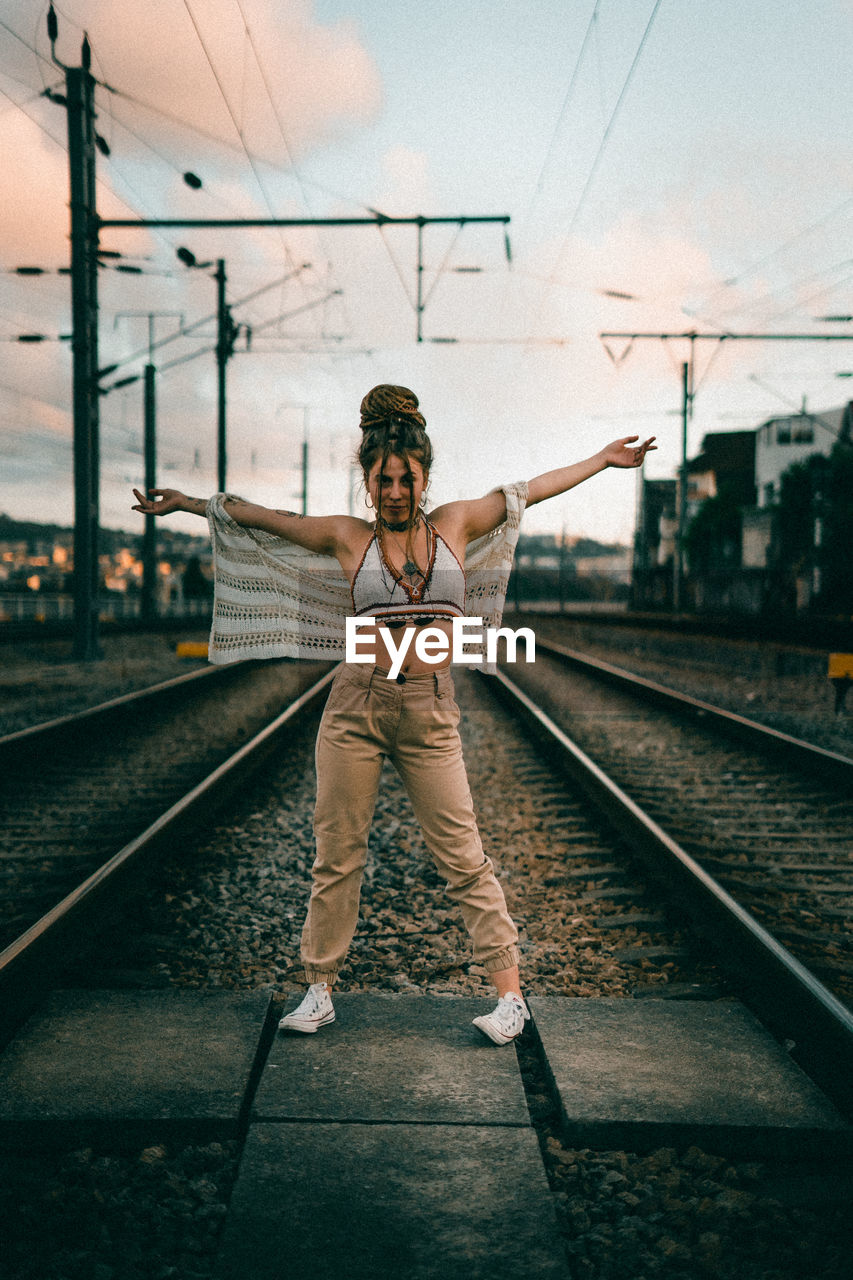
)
(768, 522)
(779, 442)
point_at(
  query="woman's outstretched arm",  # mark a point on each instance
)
(471, 519)
(324, 534)
(621, 453)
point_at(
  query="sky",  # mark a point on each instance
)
(667, 166)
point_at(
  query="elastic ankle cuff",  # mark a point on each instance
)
(320, 975)
(506, 959)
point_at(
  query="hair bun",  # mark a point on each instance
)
(386, 402)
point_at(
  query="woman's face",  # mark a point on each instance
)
(397, 487)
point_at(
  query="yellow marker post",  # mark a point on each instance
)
(192, 649)
(841, 674)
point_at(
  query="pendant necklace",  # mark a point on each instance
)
(409, 568)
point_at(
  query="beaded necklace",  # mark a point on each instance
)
(410, 569)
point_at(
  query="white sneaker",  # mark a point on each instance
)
(314, 1012)
(506, 1021)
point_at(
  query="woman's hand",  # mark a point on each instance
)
(160, 502)
(624, 453)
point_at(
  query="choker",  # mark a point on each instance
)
(399, 526)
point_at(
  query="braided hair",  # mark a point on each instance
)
(392, 424)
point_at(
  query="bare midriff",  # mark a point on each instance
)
(412, 665)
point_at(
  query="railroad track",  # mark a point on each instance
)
(607, 904)
(769, 816)
(80, 791)
(585, 888)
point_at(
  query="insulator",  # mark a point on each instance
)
(52, 25)
(102, 145)
(86, 53)
(29, 271)
(192, 180)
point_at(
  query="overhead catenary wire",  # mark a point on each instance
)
(186, 330)
(237, 149)
(566, 101)
(802, 234)
(799, 410)
(240, 133)
(602, 147)
(278, 116)
(32, 49)
(538, 186)
(614, 115)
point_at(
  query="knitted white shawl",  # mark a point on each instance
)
(275, 599)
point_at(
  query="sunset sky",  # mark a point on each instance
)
(667, 165)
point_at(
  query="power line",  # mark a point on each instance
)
(611, 122)
(31, 48)
(185, 330)
(189, 125)
(235, 122)
(606, 137)
(774, 253)
(800, 410)
(567, 99)
(795, 284)
(278, 118)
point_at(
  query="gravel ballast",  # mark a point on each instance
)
(156, 1213)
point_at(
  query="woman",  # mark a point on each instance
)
(405, 570)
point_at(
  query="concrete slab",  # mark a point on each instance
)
(641, 1074)
(394, 1058)
(388, 1202)
(110, 1066)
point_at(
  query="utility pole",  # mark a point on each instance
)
(305, 460)
(226, 337)
(149, 449)
(85, 232)
(678, 559)
(80, 107)
(687, 398)
(149, 535)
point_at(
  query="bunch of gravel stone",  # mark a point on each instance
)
(153, 1215)
(690, 1215)
(777, 684)
(41, 680)
(686, 1217)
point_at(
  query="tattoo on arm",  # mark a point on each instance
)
(300, 515)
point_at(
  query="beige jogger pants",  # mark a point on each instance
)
(368, 717)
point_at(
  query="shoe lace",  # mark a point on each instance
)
(315, 999)
(508, 1012)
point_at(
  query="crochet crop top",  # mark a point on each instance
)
(378, 592)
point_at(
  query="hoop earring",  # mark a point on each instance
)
(368, 502)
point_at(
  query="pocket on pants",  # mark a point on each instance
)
(345, 695)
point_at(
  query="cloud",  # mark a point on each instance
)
(226, 69)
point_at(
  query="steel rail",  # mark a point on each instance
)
(783, 993)
(793, 750)
(29, 965)
(36, 735)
